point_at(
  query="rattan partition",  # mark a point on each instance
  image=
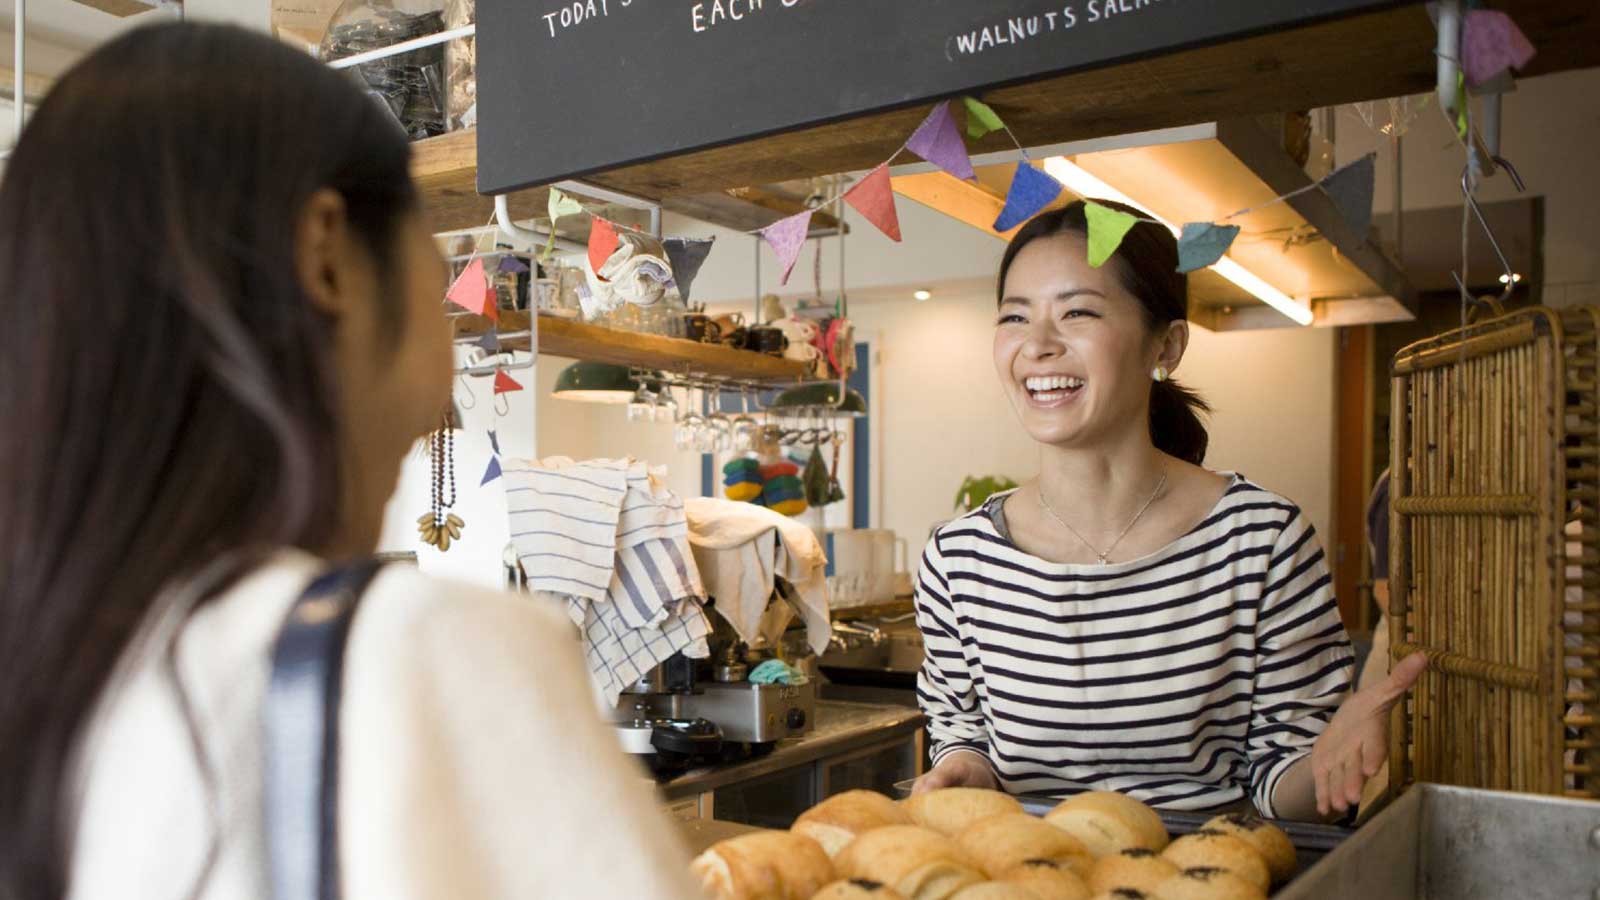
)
(1495, 553)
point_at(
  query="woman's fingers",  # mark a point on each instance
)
(1404, 674)
(1374, 750)
(1319, 778)
(1354, 780)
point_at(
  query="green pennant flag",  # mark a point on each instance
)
(1107, 228)
(560, 205)
(981, 119)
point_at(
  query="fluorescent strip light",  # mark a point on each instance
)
(1081, 182)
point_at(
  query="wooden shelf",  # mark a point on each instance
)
(120, 8)
(592, 343)
(1366, 57)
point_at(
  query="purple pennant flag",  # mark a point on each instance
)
(490, 342)
(510, 265)
(1491, 44)
(1031, 190)
(938, 141)
(686, 257)
(492, 472)
(494, 441)
(1350, 189)
(787, 236)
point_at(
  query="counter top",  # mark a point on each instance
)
(841, 727)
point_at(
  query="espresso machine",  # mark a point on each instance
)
(688, 712)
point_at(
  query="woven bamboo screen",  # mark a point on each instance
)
(1495, 553)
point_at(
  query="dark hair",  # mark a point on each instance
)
(166, 385)
(1147, 265)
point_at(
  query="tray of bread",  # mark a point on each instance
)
(974, 844)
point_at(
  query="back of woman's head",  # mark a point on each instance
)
(165, 382)
(1146, 264)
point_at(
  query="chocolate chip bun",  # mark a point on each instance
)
(1108, 822)
(858, 889)
(1136, 868)
(1268, 839)
(920, 863)
(1208, 884)
(1208, 849)
(1048, 880)
(1003, 842)
(950, 810)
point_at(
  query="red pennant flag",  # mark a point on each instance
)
(491, 304)
(874, 198)
(505, 384)
(603, 242)
(470, 288)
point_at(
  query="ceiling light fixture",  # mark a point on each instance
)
(920, 296)
(1513, 278)
(1081, 182)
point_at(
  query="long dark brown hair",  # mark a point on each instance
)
(1147, 266)
(166, 387)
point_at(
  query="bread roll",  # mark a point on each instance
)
(837, 821)
(1208, 884)
(1049, 880)
(1108, 823)
(950, 810)
(1003, 842)
(920, 863)
(994, 890)
(858, 889)
(1125, 894)
(1268, 839)
(1137, 868)
(764, 865)
(1208, 849)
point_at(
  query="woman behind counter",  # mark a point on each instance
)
(1130, 620)
(223, 330)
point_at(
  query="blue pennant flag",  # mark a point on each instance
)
(492, 472)
(1031, 191)
(1203, 243)
(1350, 188)
(510, 265)
(490, 342)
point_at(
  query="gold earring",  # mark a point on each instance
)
(1159, 374)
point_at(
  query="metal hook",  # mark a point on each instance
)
(466, 388)
(1509, 277)
(502, 405)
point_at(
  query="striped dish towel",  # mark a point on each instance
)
(618, 655)
(650, 511)
(651, 578)
(564, 522)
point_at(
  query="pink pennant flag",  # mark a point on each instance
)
(873, 197)
(787, 236)
(603, 242)
(938, 141)
(471, 288)
(505, 384)
(1491, 43)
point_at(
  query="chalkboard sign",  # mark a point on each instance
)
(570, 87)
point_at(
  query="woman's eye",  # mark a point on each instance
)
(1080, 314)
(1009, 319)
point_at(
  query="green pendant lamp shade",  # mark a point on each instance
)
(592, 382)
(821, 397)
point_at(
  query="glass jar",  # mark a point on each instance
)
(410, 85)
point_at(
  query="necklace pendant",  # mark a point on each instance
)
(1101, 560)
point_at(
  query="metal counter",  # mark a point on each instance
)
(842, 729)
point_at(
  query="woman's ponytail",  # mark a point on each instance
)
(1175, 425)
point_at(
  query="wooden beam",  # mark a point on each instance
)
(580, 340)
(965, 201)
(119, 8)
(34, 87)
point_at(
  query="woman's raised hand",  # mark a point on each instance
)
(1356, 742)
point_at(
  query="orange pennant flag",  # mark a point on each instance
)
(470, 288)
(873, 197)
(505, 384)
(491, 304)
(603, 242)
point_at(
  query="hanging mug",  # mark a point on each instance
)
(765, 340)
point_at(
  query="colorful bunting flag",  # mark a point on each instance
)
(603, 242)
(1491, 43)
(873, 197)
(494, 441)
(491, 304)
(1203, 243)
(511, 265)
(937, 141)
(1031, 190)
(686, 257)
(981, 118)
(491, 472)
(1350, 188)
(505, 384)
(787, 236)
(561, 205)
(490, 342)
(470, 288)
(1107, 228)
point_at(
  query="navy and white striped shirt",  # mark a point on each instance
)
(1190, 679)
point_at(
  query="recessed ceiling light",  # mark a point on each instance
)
(922, 295)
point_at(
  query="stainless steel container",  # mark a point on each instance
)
(1439, 842)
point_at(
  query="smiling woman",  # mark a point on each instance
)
(1129, 620)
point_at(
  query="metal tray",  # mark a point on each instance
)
(1439, 842)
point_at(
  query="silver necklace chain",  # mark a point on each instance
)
(1101, 557)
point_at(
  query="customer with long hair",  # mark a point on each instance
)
(222, 331)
